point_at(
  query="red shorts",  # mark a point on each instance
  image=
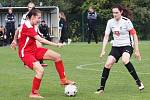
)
(29, 59)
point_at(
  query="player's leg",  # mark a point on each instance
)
(89, 35)
(56, 57)
(113, 57)
(110, 61)
(39, 70)
(8, 36)
(62, 38)
(126, 61)
(95, 35)
(12, 34)
(31, 62)
(39, 45)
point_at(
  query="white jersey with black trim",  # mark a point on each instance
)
(120, 30)
(24, 18)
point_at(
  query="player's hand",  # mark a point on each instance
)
(42, 35)
(60, 45)
(13, 45)
(138, 55)
(102, 53)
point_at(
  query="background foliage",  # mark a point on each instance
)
(76, 10)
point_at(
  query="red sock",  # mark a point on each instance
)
(60, 69)
(35, 85)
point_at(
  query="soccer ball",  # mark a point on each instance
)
(70, 90)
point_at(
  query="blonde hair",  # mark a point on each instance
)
(31, 4)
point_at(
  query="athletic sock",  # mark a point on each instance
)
(104, 77)
(60, 69)
(35, 85)
(133, 73)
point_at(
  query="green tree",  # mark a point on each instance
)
(75, 11)
(141, 14)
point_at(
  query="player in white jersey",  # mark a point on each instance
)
(125, 39)
(24, 17)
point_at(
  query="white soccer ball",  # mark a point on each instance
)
(70, 90)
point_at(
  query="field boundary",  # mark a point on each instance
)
(83, 67)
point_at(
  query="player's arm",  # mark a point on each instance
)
(136, 44)
(42, 40)
(16, 34)
(105, 41)
(34, 34)
(38, 31)
(3, 30)
(6, 19)
(14, 42)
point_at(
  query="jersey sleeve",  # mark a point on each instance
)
(129, 25)
(108, 28)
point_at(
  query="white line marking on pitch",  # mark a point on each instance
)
(82, 67)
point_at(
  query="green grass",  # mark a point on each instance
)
(15, 80)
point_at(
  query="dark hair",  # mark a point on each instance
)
(33, 12)
(126, 12)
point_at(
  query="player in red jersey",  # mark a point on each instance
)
(30, 54)
(13, 45)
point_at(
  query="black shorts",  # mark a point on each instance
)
(118, 51)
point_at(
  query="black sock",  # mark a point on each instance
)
(41, 61)
(132, 71)
(104, 77)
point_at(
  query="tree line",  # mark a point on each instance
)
(75, 11)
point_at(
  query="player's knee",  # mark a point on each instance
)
(40, 72)
(57, 57)
(108, 65)
(125, 61)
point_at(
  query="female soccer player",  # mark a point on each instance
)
(24, 18)
(125, 37)
(30, 54)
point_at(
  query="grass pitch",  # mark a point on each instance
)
(83, 65)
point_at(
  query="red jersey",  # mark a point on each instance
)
(26, 40)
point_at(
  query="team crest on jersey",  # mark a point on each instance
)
(116, 31)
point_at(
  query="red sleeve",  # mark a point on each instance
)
(132, 31)
(31, 32)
